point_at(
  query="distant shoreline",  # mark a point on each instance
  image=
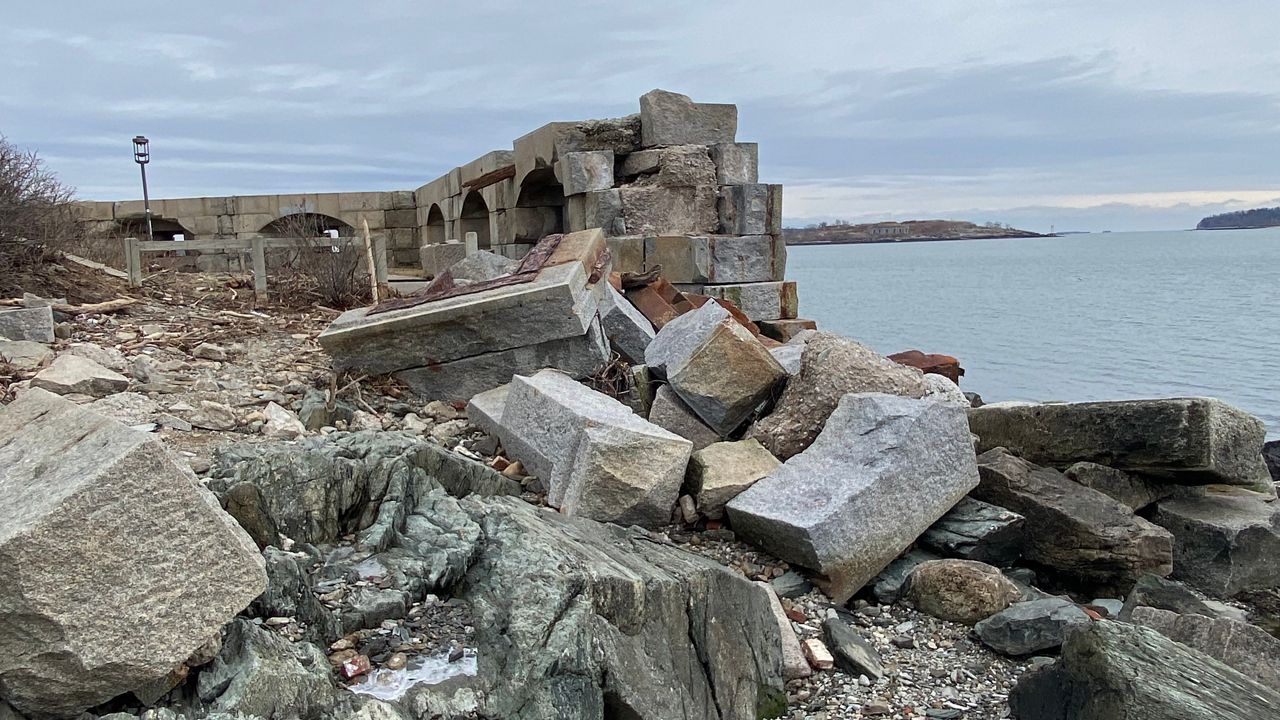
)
(898, 241)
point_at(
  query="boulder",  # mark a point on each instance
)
(1271, 456)
(1191, 441)
(261, 674)
(209, 415)
(669, 412)
(117, 560)
(599, 459)
(1132, 490)
(74, 374)
(852, 653)
(1247, 648)
(1223, 544)
(481, 266)
(943, 390)
(830, 368)
(24, 354)
(129, 408)
(715, 365)
(33, 323)
(1082, 535)
(1031, 627)
(974, 530)
(720, 471)
(628, 330)
(962, 591)
(794, 665)
(1115, 671)
(786, 330)
(841, 508)
(887, 586)
(668, 118)
(1163, 594)
(281, 423)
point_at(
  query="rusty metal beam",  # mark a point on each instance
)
(491, 178)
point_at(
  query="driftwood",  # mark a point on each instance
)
(109, 306)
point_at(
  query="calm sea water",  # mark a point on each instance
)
(1082, 317)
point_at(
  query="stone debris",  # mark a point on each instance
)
(721, 471)
(831, 367)
(840, 508)
(480, 266)
(963, 591)
(1223, 543)
(1031, 627)
(70, 374)
(119, 537)
(1189, 441)
(33, 323)
(669, 412)
(816, 652)
(25, 354)
(974, 530)
(852, 654)
(281, 423)
(794, 663)
(629, 332)
(715, 365)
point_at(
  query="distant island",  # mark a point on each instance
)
(908, 231)
(1255, 218)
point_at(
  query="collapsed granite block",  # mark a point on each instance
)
(841, 508)
(715, 365)
(760, 300)
(457, 380)
(484, 410)
(668, 118)
(435, 259)
(721, 471)
(1193, 441)
(744, 209)
(33, 323)
(582, 172)
(601, 460)
(1223, 544)
(715, 258)
(736, 163)
(119, 565)
(481, 266)
(628, 330)
(655, 209)
(668, 411)
(76, 374)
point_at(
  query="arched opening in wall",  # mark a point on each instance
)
(161, 229)
(539, 206)
(475, 218)
(435, 226)
(307, 225)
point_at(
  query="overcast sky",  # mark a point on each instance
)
(1082, 115)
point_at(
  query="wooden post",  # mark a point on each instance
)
(370, 261)
(133, 261)
(259, 252)
(380, 257)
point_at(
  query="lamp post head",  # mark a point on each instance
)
(141, 150)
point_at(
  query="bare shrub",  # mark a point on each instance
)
(37, 215)
(334, 272)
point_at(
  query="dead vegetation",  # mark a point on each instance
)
(37, 215)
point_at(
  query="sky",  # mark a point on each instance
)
(1038, 113)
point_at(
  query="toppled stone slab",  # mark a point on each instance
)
(628, 330)
(1223, 544)
(1031, 627)
(1079, 533)
(1247, 648)
(481, 266)
(840, 507)
(1132, 490)
(1193, 441)
(116, 558)
(716, 366)
(579, 356)
(720, 472)
(31, 323)
(830, 367)
(484, 410)
(760, 300)
(668, 118)
(790, 357)
(963, 591)
(24, 354)
(794, 665)
(669, 412)
(1127, 672)
(975, 530)
(601, 460)
(74, 374)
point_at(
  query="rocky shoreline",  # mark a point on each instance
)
(205, 520)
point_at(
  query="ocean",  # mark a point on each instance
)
(1104, 316)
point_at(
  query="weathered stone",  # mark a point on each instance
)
(1271, 456)
(281, 423)
(669, 412)
(1083, 535)
(743, 209)
(975, 530)
(1247, 648)
(852, 653)
(34, 324)
(791, 584)
(715, 258)
(128, 408)
(484, 410)
(316, 413)
(585, 171)
(661, 210)
(73, 374)
(1115, 671)
(716, 366)
(887, 586)
(481, 266)
(1031, 627)
(794, 664)
(1164, 594)
(580, 356)
(24, 354)
(931, 364)
(595, 209)
(1132, 490)
(600, 459)
(668, 118)
(210, 415)
(261, 674)
(210, 351)
(943, 390)
(720, 471)
(790, 357)
(117, 560)
(107, 357)
(830, 368)
(439, 257)
(675, 166)
(628, 330)
(840, 507)
(736, 163)
(1223, 544)
(760, 300)
(962, 591)
(1193, 441)
(785, 330)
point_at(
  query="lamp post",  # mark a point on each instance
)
(142, 156)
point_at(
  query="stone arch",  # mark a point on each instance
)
(539, 206)
(162, 228)
(475, 218)
(436, 231)
(307, 224)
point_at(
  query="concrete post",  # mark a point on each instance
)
(259, 252)
(473, 243)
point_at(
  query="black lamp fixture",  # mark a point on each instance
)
(142, 156)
